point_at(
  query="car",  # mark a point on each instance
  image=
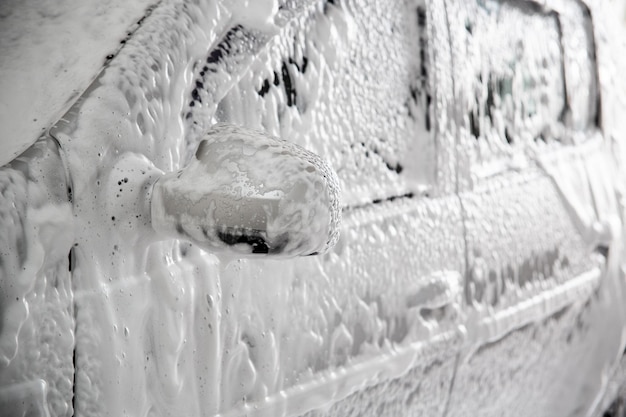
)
(325, 208)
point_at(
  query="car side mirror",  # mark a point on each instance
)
(249, 193)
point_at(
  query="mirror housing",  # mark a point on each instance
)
(248, 193)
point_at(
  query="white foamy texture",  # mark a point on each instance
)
(51, 51)
(567, 303)
(511, 90)
(37, 328)
(164, 328)
(338, 80)
(168, 329)
(243, 184)
(254, 14)
(538, 288)
(592, 201)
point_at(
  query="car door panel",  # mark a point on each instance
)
(187, 332)
(36, 304)
(538, 275)
(349, 333)
(544, 340)
(526, 298)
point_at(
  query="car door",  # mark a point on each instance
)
(36, 299)
(368, 87)
(540, 208)
(164, 327)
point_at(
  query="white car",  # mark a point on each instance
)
(451, 166)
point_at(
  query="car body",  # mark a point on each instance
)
(478, 270)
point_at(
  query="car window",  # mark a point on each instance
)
(580, 66)
(518, 75)
(527, 75)
(351, 84)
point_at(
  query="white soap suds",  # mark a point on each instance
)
(37, 338)
(51, 51)
(250, 192)
(166, 328)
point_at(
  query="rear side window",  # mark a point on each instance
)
(580, 66)
(518, 84)
(527, 73)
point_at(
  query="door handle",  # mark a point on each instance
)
(433, 300)
(436, 290)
